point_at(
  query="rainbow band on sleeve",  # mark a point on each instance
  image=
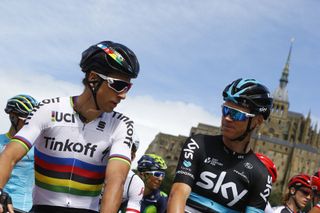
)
(24, 142)
(121, 158)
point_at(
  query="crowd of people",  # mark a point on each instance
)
(74, 154)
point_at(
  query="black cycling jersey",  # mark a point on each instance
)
(156, 202)
(222, 180)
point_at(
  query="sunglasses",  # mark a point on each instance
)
(305, 192)
(235, 114)
(116, 84)
(157, 174)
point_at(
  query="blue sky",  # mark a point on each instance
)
(188, 52)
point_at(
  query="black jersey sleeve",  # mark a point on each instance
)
(189, 161)
(260, 189)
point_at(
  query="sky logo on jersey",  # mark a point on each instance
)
(266, 193)
(189, 150)
(211, 181)
(60, 116)
(187, 163)
(69, 146)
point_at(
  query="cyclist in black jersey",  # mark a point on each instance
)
(80, 141)
(151, 169)
(298, 195)
(221, 173)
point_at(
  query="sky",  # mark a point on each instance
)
(188, 52)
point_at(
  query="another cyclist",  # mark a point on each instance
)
(221, 173)
(152, 169)
(75, 137)
(315, 184)
(21, 181)
(298, 196)
(272, 169)
(133, 187)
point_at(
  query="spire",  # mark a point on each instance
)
(281, 92)
(285, 73)
(309, 114)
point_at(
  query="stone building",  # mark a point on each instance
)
(288, 138)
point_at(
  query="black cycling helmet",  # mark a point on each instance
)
(22, 105)
(108, 56)
(251, 94)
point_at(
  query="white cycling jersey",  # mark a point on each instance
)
(283, 209)
(268, 208)
(133, 193)
(71, 156)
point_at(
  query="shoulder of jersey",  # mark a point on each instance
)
(114, 115)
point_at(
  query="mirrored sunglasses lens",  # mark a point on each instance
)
(120, 86)
(158, 174)
(238, 116)
(234, 114)
(225, 111)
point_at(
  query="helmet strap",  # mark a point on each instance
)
(245, 134)
(94, 87)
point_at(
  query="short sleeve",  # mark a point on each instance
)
(190, 157)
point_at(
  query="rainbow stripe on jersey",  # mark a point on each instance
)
(68, 175)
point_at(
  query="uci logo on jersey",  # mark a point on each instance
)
(229, 191)
(189, 150)
(60, 116)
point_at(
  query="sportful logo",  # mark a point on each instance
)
(101, 126)
(60, 116)
(191, 146)
(208, 182)
(129, 123)
(68, 146)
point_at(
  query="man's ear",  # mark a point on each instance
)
(292, 190)
(92, 76)
(258, 120)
